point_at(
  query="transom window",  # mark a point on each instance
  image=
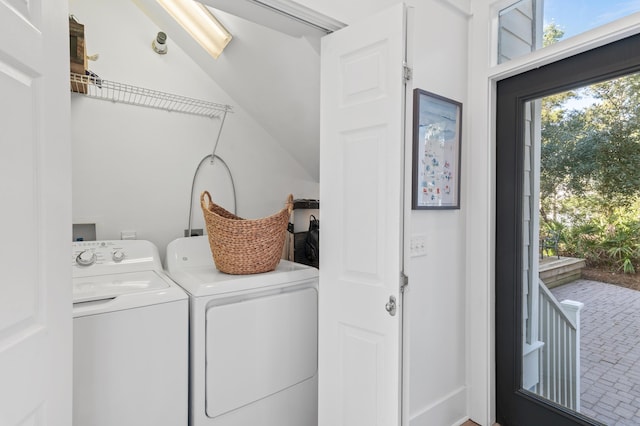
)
(529, 25)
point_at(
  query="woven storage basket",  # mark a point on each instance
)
(244, 246)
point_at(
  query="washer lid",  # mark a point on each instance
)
(99, 287)
(208, 281)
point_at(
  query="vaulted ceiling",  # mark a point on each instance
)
(271, 69)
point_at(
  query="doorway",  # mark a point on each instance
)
(518, 402)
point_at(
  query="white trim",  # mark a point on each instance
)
(407, 212)
(440, 411)
(301, 13)
(279, 15)
(480, 275)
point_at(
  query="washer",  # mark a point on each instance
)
(130, 349)
(253, 340)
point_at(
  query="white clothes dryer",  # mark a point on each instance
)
(253, 340)
(130, 348)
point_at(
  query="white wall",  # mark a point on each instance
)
(436, 295)
(133, 166)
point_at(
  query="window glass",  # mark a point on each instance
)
(528, 25)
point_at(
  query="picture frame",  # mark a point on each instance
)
(437, 131)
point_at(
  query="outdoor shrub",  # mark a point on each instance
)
(605, 239)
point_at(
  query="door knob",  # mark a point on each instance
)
(391, 306)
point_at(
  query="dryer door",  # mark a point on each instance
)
(257, 348)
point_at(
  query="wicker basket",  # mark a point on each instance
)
(244, 246)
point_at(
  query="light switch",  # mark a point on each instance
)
(418, 245)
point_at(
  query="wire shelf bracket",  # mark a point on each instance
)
(95, 87)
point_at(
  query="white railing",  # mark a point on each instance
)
(560, 356)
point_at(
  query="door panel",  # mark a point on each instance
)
(361, 178)
(361, 353)
(516, 402)
(17, 159)
(35, 287)
(361, 248)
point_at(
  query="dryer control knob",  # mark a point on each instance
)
(118, 256)
(86, 258)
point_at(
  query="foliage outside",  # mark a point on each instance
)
(590, 171)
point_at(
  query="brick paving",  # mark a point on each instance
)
(609, 350)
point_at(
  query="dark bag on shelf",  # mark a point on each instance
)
(312, 240)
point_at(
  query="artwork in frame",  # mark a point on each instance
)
(437, 126)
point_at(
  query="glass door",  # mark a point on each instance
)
(539, 379)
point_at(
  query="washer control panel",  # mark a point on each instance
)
(92, 252)
(115, 256)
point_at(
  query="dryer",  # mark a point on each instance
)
(253, 340)
(130, 348)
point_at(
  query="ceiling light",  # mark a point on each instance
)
(198, 21)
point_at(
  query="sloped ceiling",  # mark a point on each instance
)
(273, 75)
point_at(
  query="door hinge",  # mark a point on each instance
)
(407, 73)
(404, 281)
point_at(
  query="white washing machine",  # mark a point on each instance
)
(254, 340)
(130, 348)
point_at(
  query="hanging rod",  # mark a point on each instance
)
(95, 87)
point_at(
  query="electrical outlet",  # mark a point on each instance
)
(194, 232)
(418, 245)
(128, 235)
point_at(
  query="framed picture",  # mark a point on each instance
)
(437, 124)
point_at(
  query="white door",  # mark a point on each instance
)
(35, 212)
(361, 193)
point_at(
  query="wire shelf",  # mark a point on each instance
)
(95, 87)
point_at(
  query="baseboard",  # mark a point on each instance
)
(450, 410)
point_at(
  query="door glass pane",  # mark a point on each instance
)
(581, 250)
(529, 25)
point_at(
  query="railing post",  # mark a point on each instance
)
(572, 310)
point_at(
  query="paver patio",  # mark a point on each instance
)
(610, 350)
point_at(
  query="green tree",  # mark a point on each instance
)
(596, 150)
(592, 151)
(608, 156)
(590, 170)
(559, 127)
(552, 33)
(562, 132)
